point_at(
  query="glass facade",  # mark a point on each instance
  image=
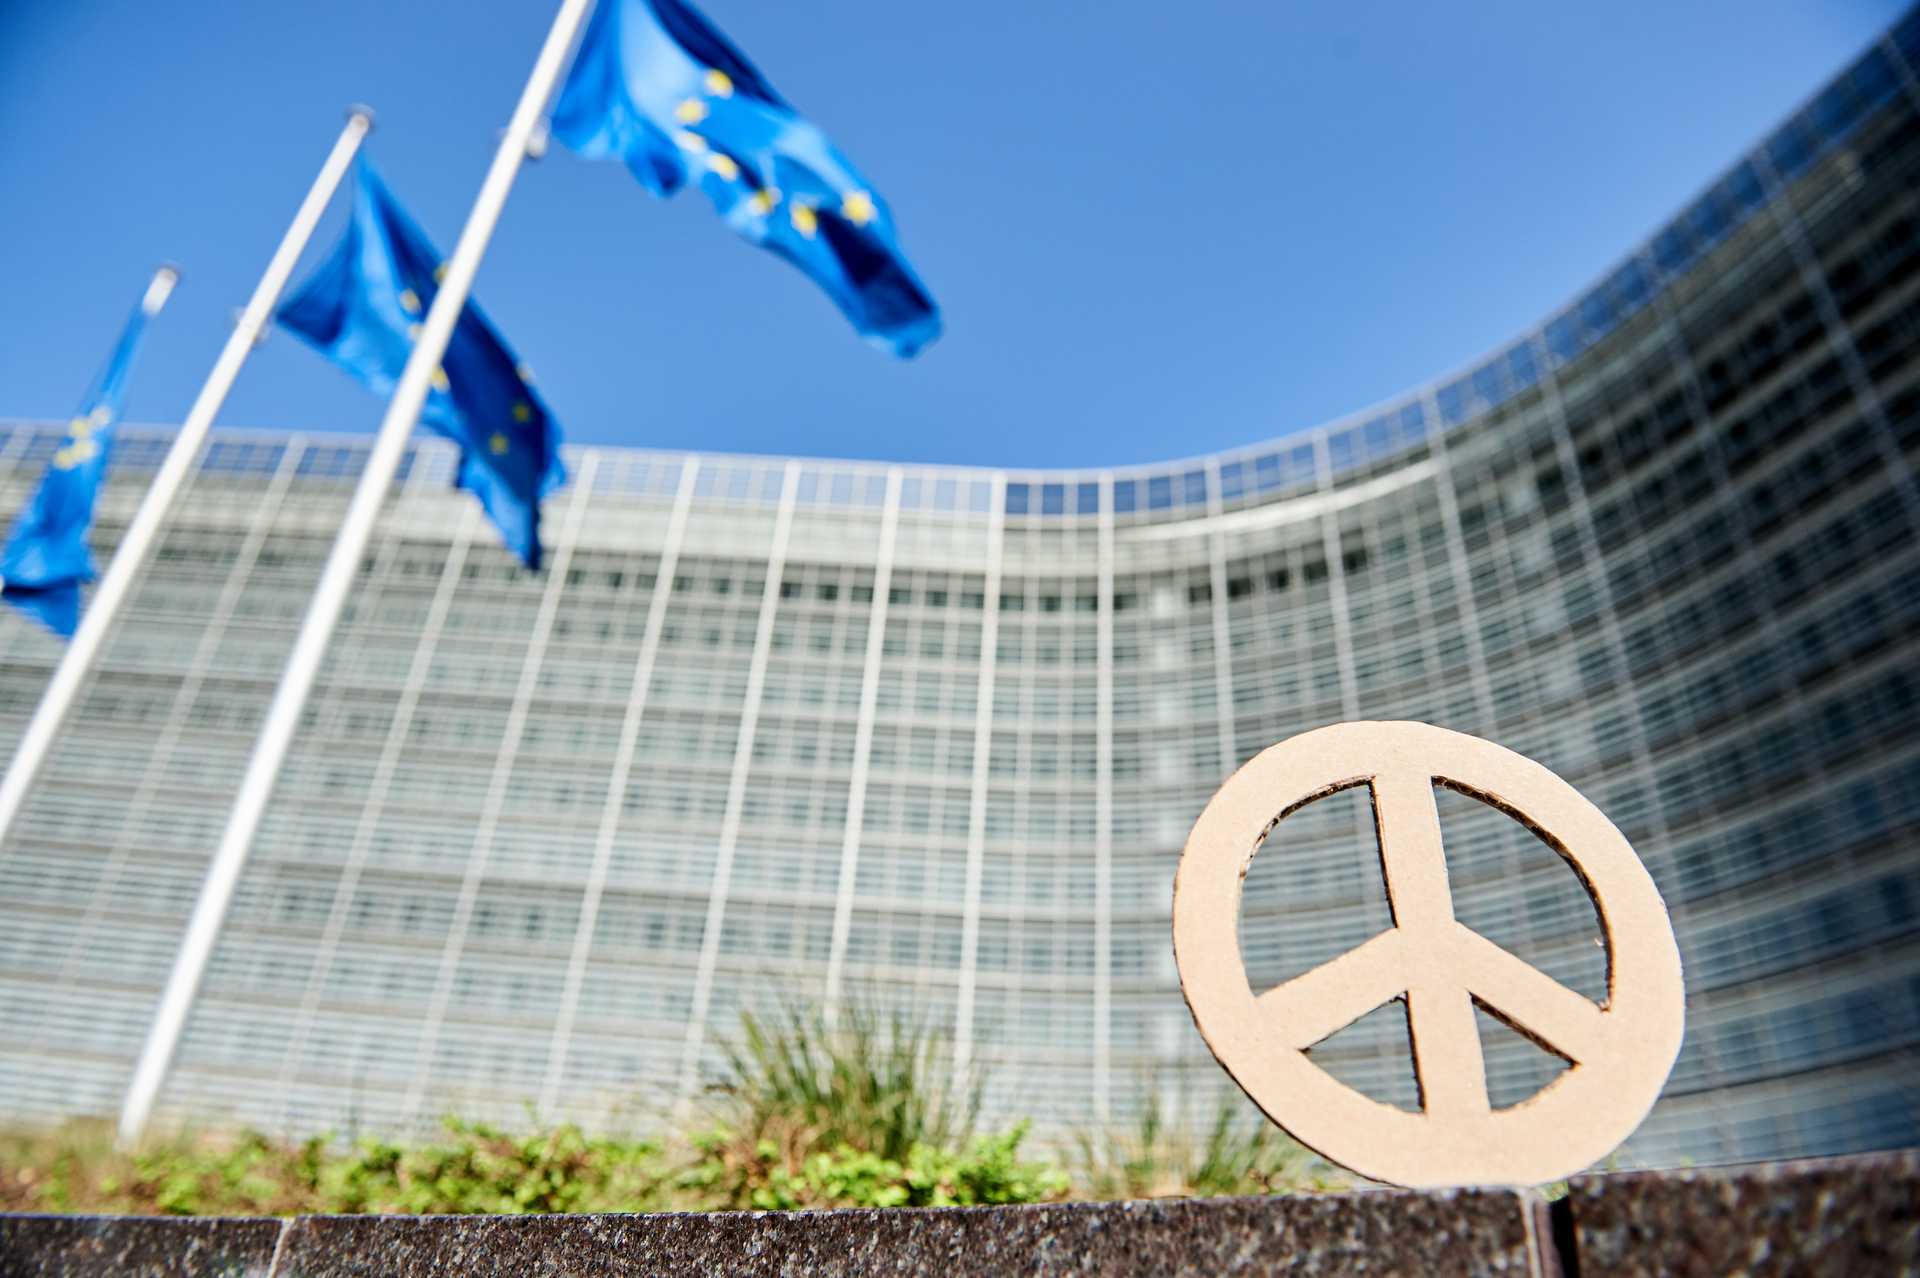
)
(931, 738)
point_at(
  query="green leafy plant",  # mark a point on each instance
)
(861, 1112)
(989, 1170)
(476, 1168)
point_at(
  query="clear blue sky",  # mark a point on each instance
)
(1156, 229)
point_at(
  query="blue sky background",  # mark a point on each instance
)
(1156, 229)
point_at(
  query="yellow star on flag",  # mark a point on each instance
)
(440, 382)
(723, 165)
(522, 412)
(690, 111)
(718, 83)
(804, 219)
(73, 454)
(498, 444)
(409, 301)
(764, 200)
(858, 208)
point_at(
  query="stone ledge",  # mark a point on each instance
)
(139, 1246)
(1459, 1232)
(1841, 1216)
(1838, 1216)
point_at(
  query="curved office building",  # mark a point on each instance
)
(932, 738)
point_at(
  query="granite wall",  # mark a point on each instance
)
(1834, 1216)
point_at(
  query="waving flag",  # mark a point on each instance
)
(363, 309)
(46, 558)
(655, 85)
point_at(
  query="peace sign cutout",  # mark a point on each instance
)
(1621, 1051)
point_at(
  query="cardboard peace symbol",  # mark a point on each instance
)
(1621, 1050)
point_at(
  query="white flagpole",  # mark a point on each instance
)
(97, 618)
(159, 289)
(343, 564)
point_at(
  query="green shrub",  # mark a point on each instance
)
(768, 1178)
(877, 1084)
(475, 1169)
(483, 1169)
(480, 1169)
(862, 1113)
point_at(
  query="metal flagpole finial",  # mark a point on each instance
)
(361, 111)
(160, 289)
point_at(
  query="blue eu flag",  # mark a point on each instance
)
(363, 309)
(46, 559)
(655, 85)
